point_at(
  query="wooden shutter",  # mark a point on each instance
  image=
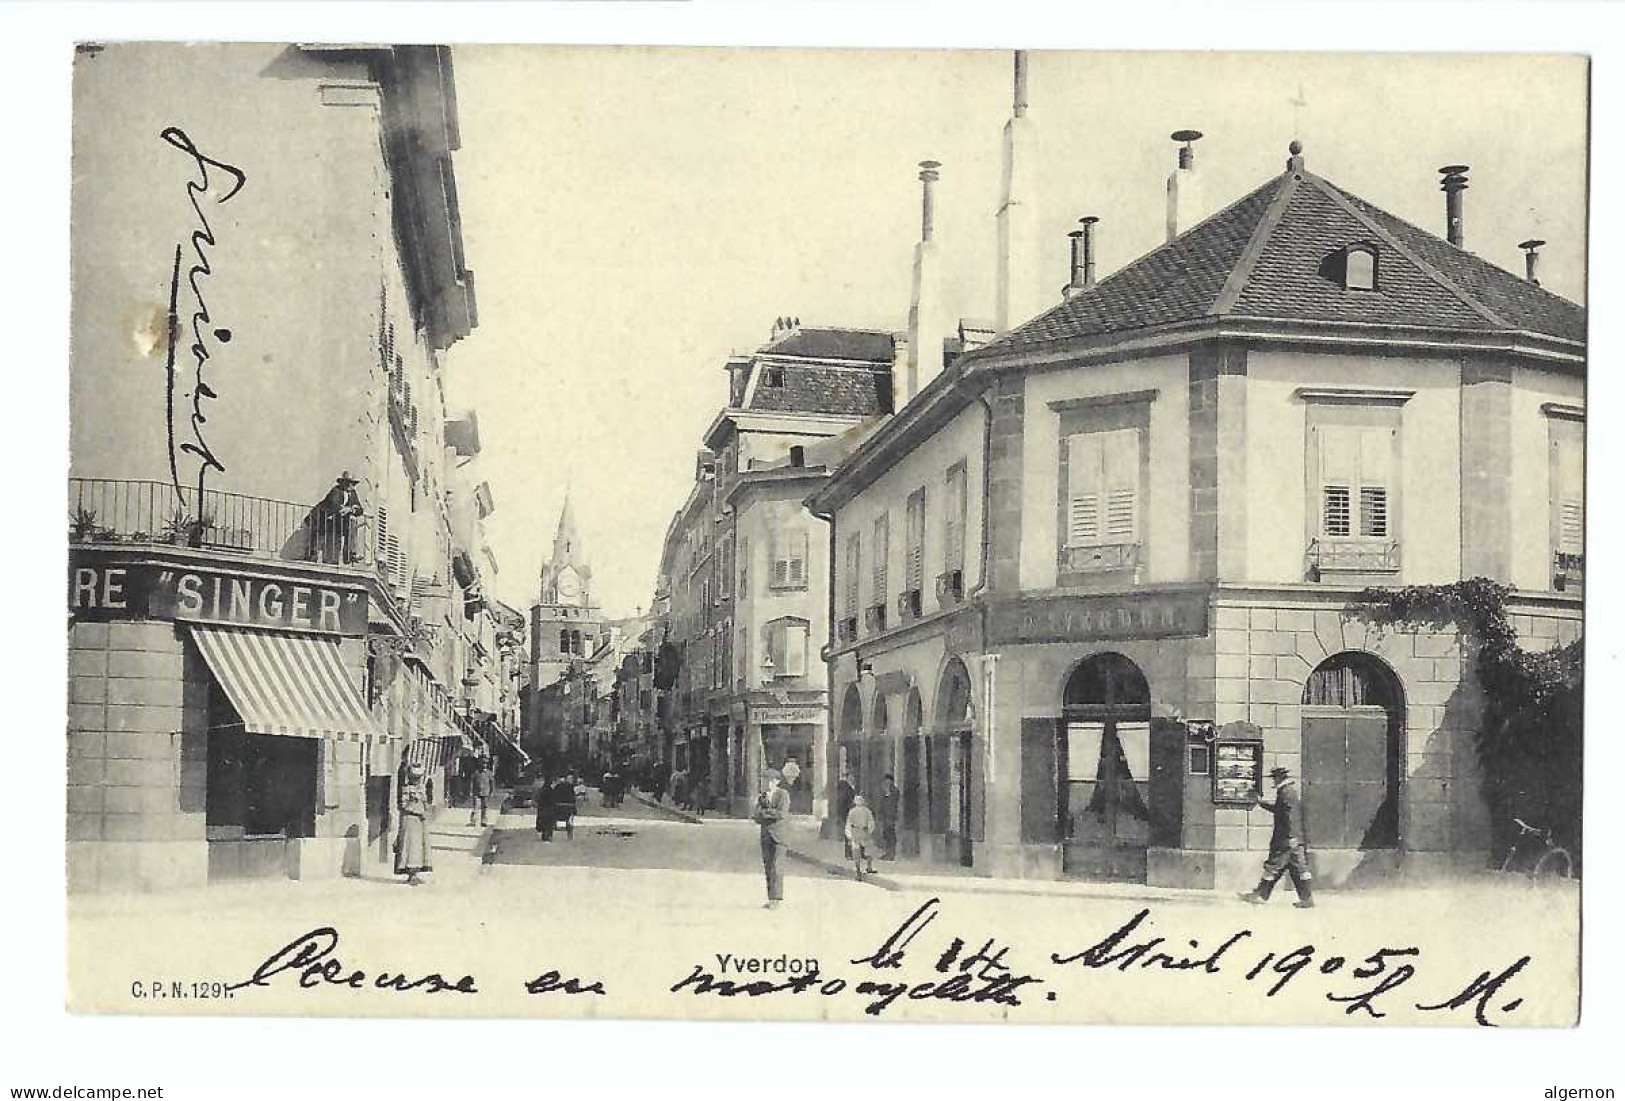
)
(1376, 477)
(1040, 787)
(795, 649)
(953, 522)
(880, 551)
(1121, 468)
(853, 565)
(1339, 449)
(781, 562)
(1085, 488)
(1568, 487)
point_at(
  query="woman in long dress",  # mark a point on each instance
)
(412, 842)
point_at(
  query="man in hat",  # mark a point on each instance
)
(772, 807)
(1289, 853)
(335, 519)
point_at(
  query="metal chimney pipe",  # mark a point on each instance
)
(1088, 224)
(1187, 155)
(1075, 284)
(1020, 104)
(928, 177)
(1531, 257)
(1453, 184)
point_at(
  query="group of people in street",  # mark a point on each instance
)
(557, 800)
(612, 787)
(859, 822)
(691, 791)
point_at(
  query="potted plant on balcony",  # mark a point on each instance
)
(82, 525)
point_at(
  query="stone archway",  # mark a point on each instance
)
(913, 780)
(1353, 723)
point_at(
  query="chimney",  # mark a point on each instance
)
(927, 324)
(1019, 281)
(1083, 257)
(1531, 258)
(1184, 188)
(1453, 184)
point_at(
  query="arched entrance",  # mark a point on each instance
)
(952, 766)
(1353, 729)
(1104, 762)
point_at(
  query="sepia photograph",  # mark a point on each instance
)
(1152, 514)
(979, 534)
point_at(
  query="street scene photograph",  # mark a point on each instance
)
(855, 535)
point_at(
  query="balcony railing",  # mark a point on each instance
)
(1334, 556)
(1099, 558)
(110, 510)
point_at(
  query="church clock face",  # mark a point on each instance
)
(569, 587)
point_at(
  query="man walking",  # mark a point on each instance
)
(1289, 852)
(845, 792)
(772, 805)
(891, 802)
(481, 789)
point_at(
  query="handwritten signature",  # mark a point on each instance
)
(201, 322)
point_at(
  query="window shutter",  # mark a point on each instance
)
(880, 551)
(1570, 494)
(776, 648)
(853, 554)
(744, 567)
(1339, 457)
(1376, 465)
(915, 565)
(953, 524)
(798, 559)
(781, 564)
(1121, 467)
(1085, 477)
(795, 650)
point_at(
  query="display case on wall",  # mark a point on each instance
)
(1238, 771)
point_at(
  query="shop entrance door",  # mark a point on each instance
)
(1104, 760)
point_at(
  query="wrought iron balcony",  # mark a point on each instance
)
(1340, 556)
(1099, 558)
(112, 510)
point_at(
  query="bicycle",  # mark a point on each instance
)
(1552, 862)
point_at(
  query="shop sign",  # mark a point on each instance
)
(1091, 618)
(786, 716)
(149, 590)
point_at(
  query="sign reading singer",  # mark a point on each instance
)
(211, 596)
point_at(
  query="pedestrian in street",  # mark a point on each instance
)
(564, 804)
(412, 840)
(481, 789)
(845, 792)
(544, 806)
(772, 805)
(1289, 848)
(860, 836)
(702, 794)
(679, 788)
(891, 806)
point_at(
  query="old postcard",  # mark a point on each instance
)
(930, 535)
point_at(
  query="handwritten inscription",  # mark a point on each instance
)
(311, 961)
(222, 181)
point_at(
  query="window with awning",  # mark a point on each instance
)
(284, 683)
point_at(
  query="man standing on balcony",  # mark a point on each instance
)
(334, 521)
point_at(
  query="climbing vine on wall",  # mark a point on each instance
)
(1529, 738)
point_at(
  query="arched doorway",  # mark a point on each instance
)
(849, 753)
(952, 764)
(1104, 762)
(912, 782)
(1353, 728)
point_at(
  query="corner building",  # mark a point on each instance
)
(261, 639)
(1090, 581)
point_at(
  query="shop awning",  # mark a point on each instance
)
(286, 683)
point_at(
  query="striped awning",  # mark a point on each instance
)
(286, 683)
(431, 753)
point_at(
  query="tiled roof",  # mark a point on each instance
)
(844, 391)
(869, 345)
(1267, 256)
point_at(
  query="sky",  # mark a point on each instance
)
(634, 214)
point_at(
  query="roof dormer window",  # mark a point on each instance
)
(1360, 268)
